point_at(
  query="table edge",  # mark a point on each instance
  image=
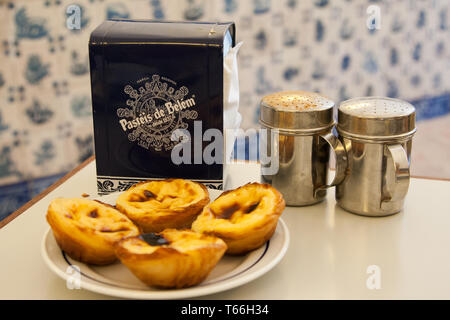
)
(27, 205)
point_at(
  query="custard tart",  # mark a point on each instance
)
(87, 230)
(172, 258)
(158, 205)
(245, 218)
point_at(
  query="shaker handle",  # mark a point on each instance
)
(399, 182)
(341, 160)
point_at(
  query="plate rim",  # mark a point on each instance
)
(173, 293)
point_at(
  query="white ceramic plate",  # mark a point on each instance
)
(116, 280)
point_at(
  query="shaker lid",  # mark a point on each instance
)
(376, 118)
(297, 111)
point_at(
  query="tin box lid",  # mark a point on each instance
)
(132, 31)
(297, 111)
(376, 117)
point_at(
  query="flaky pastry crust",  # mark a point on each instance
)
(87, 230)
(184, 260)
(158, 205)
(245, 218)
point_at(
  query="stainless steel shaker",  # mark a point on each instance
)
(295, 143)
(377, 134)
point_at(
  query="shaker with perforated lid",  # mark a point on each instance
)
(296, 140)
(377, 134)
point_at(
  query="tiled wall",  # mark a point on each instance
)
(319, 45)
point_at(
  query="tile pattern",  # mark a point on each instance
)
(340, 48)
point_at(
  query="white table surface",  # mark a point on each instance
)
(328, 256)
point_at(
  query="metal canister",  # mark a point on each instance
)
(377, 135)
(295, 143)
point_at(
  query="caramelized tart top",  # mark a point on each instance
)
(164, 195)
(93, 216)
(250, 204)
(179, 240)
